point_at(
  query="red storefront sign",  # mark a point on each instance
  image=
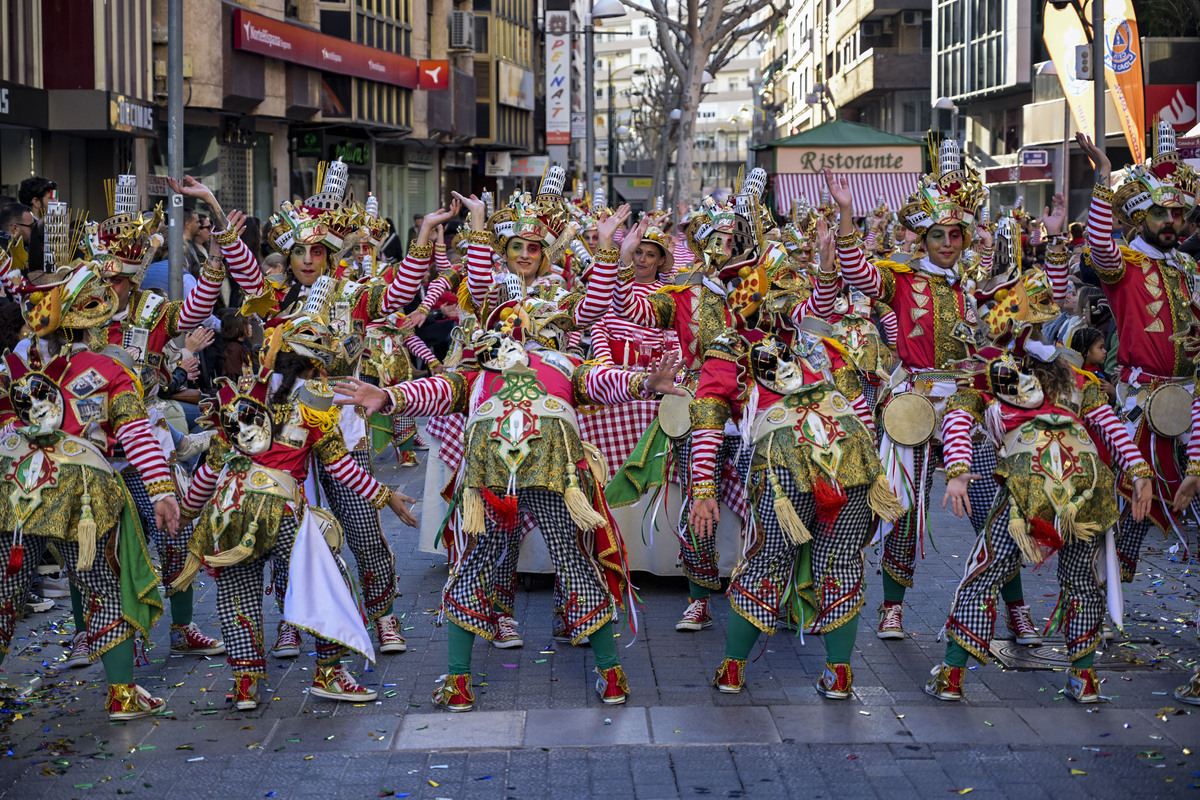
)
(994, 175)
(434, 75)
(274, 38)
(1178, 104)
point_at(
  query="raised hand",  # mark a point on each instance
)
(435, 218)
(661, 379)
(839, 190)
(1099, 160)
(353, 392)
(198, 338)
(475, 207)
(1054, 219)
(236, 222)
(607, 226)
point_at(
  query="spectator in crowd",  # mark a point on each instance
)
(235, 331)
(393, 248)
(37, 192)
(16, 219)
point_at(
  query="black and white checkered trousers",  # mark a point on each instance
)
(172, 550)
(993, 561)
(761, 578)
(900, 546)
(364, 536)
(699, 556)
(100, 587)
(587, 604)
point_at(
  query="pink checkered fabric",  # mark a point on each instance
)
(616, 429)
(449, 431)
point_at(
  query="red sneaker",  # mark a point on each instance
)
(891, 621)
(245, 691)
(946, 683)
(696, 617)
(1020, 622)
(612, 686)
(130, 701)
(731, 675)
(387, 628)
(188, 640)
(454, 693)
(836, 682)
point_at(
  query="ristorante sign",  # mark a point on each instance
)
(255, 33)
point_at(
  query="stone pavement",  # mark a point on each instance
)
(540, 731)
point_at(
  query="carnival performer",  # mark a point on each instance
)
(248, 500)
(309, 235)
(1057, 434)
(815, 481)
(727, 288)
(523, 454)
(935, 330)
(1150, 287)
(63, 408)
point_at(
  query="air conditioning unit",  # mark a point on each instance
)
(871, 29)
(911, 18)
(462, 30)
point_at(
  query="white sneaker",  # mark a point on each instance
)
(506, 633)
(36, 605)
(54, 582)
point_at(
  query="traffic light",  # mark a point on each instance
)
(1083, 63)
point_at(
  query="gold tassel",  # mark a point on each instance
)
(238, 554)
(1018, 529)
(1071, 529)
(325, 420)
(785, 512)
(577, 504)
(191, 567)
(85, 534)
(472, 512)
(883, 501)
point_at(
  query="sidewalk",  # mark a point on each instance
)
(540, 731)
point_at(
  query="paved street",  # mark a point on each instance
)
(540, 731)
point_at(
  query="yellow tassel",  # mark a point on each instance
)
(883, 501)
(183, 581)
(785, 512)
(1071, 529)
(324, 420)
(1018, 529)
(578, 505)
(238, 554)
(472, 512)
(85, 534)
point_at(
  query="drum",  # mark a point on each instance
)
(909, 419)
(330, 528)
(675, 416)
(1169, 410)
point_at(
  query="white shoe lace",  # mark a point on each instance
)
(507, 628)
(696, 611)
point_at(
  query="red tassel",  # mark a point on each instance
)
(829, 498)
(503, 510)
(1045, 535)
(16, 557)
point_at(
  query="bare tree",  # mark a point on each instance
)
(695, 36)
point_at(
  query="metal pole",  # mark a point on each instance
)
(175, 144)
(1098, 51)
(612, 136)
(589, 102)
(1066, 154)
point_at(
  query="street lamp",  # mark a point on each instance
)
(946, 104)
(1048, 68)
(601, 9)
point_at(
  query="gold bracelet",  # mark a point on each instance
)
(609, 255)
(399, 401)
(214, 270)
(187, 514)
(381, 497)
(704, 490)
(1193, 468)
(624, 274)
(479, 237)
(637, 386)
(226, 237)
(955, 470)
(422, 309)
(420, 251)
(846, 242)
(826, 278)
(160, 487)
(1102, 192)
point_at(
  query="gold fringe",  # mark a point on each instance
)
(238, 554)
(472, 512)
(785, 512)
(1018, 529)
(85, 534)
(191, 568)
(883, 501)
(325, 420)
(578, 505)
(1071, 529)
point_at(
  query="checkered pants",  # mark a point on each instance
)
(699, 555)
(760, 580)
(100, 586)
(587, 605)
(364, 536)
(995, 558)
(172, 550)
(900, 546)
(506, 574)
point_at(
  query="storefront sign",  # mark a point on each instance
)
(357, 153)
(434, 75)
(1178, 104)
(130, 115)
(274, 38)
(558, 77)
(529, 167)
(852, 159)
(497, 164)
(515, 86)
(310, 144)
(22, 105)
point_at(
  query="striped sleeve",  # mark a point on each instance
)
(198, 304)
(144, 453)
(424, 397)
(1058, 272)
(956, 438)
(345, 471)
(204, 483)
(683, 254)
(864, 412)
(705, 444)
(891, 327)
(601, 349)
(1106, 256)
(479, 270)
(406, 281)
(1103, 423)
(597, 300)
(243, 267)
(440, 259)
(611, 386)
(419, 349)
(1193, 447)
(820, 303)
(859, 272)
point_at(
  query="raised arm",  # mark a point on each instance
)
(1106, 256)
(856, 269)
(597, 300)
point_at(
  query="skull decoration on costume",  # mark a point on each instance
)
(245, 416)
(38, 402)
